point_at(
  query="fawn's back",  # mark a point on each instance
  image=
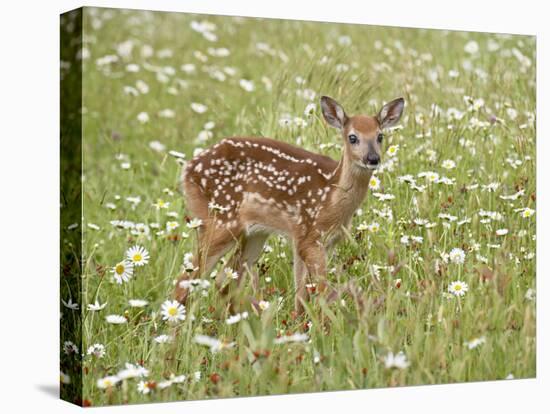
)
(256, 184)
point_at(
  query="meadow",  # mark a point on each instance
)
(440, 257)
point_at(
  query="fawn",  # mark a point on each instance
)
(243, 189)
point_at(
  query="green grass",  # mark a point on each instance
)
(348, 344)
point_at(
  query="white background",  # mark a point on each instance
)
(29, 177)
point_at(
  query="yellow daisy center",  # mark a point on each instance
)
(107, 383)
(137, 257)
(172, 311)
(458, 288)
(373, 182)
(119, 269)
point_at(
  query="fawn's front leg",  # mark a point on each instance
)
(309, 266)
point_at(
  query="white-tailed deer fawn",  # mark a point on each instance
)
(243, 189)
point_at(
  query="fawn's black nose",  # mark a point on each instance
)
(371, 159)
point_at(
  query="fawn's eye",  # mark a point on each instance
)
(380, 138)
(353, 139)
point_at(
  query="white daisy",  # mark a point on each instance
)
(137, 255)
(96, 306)
(97, 350)
(374, 183)
(116, 319)
(64, 378)
(123, 271)
(172, 311)
(133, 371)
(457, 255)
(108, 382)
(501, 232)
(160, 204)
(263, 305)
(70, 347)
(214, 344)
(527, 212)
(70, 304)
(143, 117)
(236, 318)
(392, 150)
(448, 164)
(138, 303)
(145, 387)
(398, 360)
(247, 85)
(199, 108)
(172, 225)
(458, 288)
(474, 343)
(194, 223)
(297, 337)
(163, 339)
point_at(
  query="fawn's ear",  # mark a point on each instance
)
(333, 112)
(390, 113)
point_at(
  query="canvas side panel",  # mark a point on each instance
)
(71, 207)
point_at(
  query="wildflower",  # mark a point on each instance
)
(194, 223)
(374, 183)
(502, 232)
(236, 318)
(214, 344)
(471, 47)
(431, 176)
(457, 255)
(230, 273)
(70, 347)
(108, 382)
(137, 255)
(173, 311)
(70, 304)
(474, 343)
(172, 225)
(448, 164)
(172, 380)
(96, 306)
(143, 117)
(297, 337)
(163, 339)
(398, 360)
(310, 109)
(133, 371)
(161, 204)
(458, 288)
(246, 85)
(374, 227)
(123, 271)
(392, 150)
(145, 387)
(138, 303)
(64, 378)
(116, 319)
(97, 350)
(264, 305)
(527, 212)
(530, 294)
(143, 88)
(199, 108)
(167, 113)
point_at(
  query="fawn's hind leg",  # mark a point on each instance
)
(213, 243)
(245, 257)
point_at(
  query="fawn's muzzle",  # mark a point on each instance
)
(371, 159)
